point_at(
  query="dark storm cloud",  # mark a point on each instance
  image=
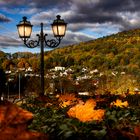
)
(101, 11)
(115, 5)
(81, 15)
(83, 11)
(4, 18)
(44, 4)
(9, 41)
(13, 3)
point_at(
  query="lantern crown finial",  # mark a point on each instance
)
(58, 17)
(24, 18)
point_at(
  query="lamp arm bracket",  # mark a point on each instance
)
(32, 43)
(52, 43)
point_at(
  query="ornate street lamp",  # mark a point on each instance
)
(25, 29)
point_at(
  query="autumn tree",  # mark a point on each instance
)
(6, 64)
(21, 63)
(34, 63)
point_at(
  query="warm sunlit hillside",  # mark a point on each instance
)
(119, 51)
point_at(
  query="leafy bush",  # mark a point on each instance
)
(117, 123)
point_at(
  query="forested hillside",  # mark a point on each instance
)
(119, 52)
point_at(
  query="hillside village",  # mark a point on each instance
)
(91, 81)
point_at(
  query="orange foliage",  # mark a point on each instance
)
(119, 103)
(85, 111)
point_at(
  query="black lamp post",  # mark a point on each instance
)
(25, 29)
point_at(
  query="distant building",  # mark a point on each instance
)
(136, 90)
(83, 93)
(84, 69)
(21, 69)
(123, 73)
(29, 69)
(59, 68)
(8, 71)
(94, 71)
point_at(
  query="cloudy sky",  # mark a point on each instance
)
(87, 19)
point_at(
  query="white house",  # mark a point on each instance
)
(59, 68)
(29, 69)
